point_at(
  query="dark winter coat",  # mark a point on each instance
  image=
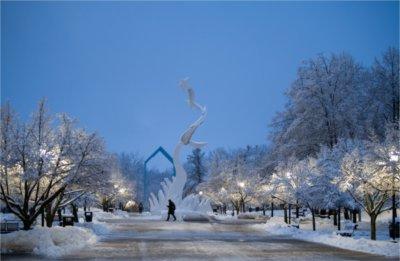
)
(171, 207)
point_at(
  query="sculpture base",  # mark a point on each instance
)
(185, 215)
(191, 203)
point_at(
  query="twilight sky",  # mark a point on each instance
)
(115, 66)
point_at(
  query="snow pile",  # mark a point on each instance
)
(51, 242)
(186, 215)
(252, 215)
(8, 217)
(195, 217)
(99, 228)
(100, 214)
(379, 247)
(121, 214)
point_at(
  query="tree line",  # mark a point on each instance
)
(48, 163)
(335, 145)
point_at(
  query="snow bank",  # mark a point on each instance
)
(195, 217)
(8, 217)
(99, 228)
(99, 214)
(187, 215)
(252, 215)
(51, 242)
(387, 248)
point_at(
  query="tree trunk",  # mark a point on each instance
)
(272, 209)
(290, 213)
(313, 219)
(354, 215)
(75, 212)
(338, 215)
(49, 216)
(335, 218)
(346, 214)
(59, 215)
(236, 207)
(285, 214)
(27, 224)
(373, 227)
(42, 218)
(359, 215)
(297, 209)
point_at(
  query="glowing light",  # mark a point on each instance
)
(394, 157)
(241, 184)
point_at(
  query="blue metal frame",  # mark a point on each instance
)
(145, 181)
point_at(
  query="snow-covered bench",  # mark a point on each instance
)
(8, 226)
(295, 222)
(348, 230)
(9, 222)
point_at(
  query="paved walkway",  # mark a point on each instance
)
(138, 239)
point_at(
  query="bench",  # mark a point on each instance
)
(348, 230)
(9, 226)
(302, 213)
(295, 222)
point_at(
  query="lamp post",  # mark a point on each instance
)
(393, 159)
(285, 217)
(241, 185)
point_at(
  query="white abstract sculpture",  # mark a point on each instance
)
(173, 188)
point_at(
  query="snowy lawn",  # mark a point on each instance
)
(51, 242)
(326, 234)
(58, 241)
(99, 214)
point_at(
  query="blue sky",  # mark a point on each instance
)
(115, 66)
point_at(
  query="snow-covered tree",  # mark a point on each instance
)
(196, 171)
(119, 189)
(384, 92)
(42, 159)
(234, 177)
(371, 175)
(321, 103)
(132, 167)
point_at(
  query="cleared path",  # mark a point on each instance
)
(138, 239)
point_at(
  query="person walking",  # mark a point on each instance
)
(171, 209)
(140, 208)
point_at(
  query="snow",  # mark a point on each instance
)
(252, 215)
(50, 242)
(8, 217)
(99, 214)
(186, 215)
(276, 226)
(58, 241)
(196, 217)
(98, 228)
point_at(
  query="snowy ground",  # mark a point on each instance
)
(50, 242)
(57, 241)
(326, 233)
(148, 237)
(328, 236)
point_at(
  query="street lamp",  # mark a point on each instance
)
(200, 193)
(285, 218)
(241, 185)
(393, 159)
